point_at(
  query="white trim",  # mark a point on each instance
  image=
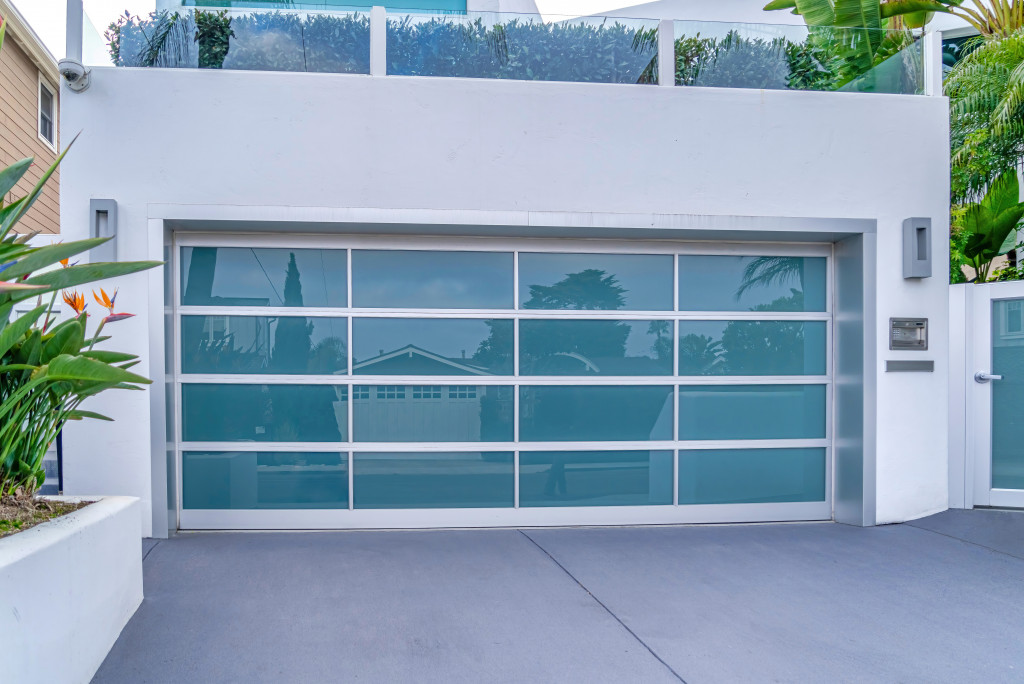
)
(43, 82)
(442, 447)
(419, 518)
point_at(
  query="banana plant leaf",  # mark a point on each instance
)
(990, 223)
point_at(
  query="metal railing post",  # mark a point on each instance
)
(378, 41)
(666, 53)
(75, 22)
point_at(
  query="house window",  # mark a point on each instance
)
(460, 392)
(361, 392)
(47, 114)
(426, 392)
(390, 392)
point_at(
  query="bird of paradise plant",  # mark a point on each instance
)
(48, 369)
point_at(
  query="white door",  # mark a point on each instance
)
(996, 393)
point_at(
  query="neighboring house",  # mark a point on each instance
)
(420, 276)
(30, 116)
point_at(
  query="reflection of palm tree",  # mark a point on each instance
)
(591, 289)
(662, 346)
(700, 355)
(772, 270)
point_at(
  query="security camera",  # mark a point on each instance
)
(75, 73)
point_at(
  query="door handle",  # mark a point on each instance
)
(983, 377)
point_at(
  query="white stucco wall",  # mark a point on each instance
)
(181, 137)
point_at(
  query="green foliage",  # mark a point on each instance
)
(988, 226)
(46, 369)
(214, 34)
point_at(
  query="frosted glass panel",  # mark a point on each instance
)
(432, 346)
(721, 476)
(264, 413)
(745, 283)
(432, 280)
(595, 478)
(295, 345)
(1008, 394)
(618, 282)
(752, 412)
(752, 348)
(252, 276)
(435, 480)
(581, 347)
(579, 413)
(264, 479)
(432, 413)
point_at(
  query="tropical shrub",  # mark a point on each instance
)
(988, 228)
(47, 369)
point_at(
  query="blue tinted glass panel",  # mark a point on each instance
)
(244, 276)
(432, 413)
(595, 478)
(752, 412)
(432, 280)
(745, 283)
(751, 476)
(264, 479)
(435, 480)
(610, 282)
(579, 413)
(1008, 394)
(296, 345)
(752, 347)
(552, 347)
(432, 346)
(264, 413)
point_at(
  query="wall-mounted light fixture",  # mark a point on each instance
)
(917, 252)
(103, 223)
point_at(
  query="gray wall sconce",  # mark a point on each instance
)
(917, 252)
(103, 223)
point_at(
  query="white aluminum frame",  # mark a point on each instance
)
(978, 438)
(515, 517)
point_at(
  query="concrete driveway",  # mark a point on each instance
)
(935, 601)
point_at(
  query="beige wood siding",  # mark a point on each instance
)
(19, 135)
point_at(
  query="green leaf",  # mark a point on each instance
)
(41, 257)
(67, 338)
(780, 5)
(85, 273)
(10, 176)
(895, 8)
(79, 414)
(817, 12)
(83, 369)
(109, 356)
(21, 325)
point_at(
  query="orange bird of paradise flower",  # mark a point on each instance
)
(76, 301)
(107, 302)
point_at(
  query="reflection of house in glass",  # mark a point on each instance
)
(443, 413)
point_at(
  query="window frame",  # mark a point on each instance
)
(44, 84)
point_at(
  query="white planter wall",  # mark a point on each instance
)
(67, 589)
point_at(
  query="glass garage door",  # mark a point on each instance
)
(352, 383)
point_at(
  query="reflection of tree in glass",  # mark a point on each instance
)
(700, 355)
(760, 347)
(772, 271)
(554, 347)
(662, 347)
(590, 289)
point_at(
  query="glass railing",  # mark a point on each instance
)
(524, 47)
(509, 46)
(778, 57)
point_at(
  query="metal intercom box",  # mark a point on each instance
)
(909, 334)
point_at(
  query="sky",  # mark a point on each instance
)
(47, 16)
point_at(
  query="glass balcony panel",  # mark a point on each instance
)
(264, 413)
(525, 47)
(595, 347)
(752, 412)
(736, 476)
(432, 280)
(600, 282)
(747, 283)
(241, 480)
(246, 276)
(293, 345)
(797, 57)
(595, 478)
(433, 413)
(594, 413)
(752, 347)
(434, 480)
(432, 346)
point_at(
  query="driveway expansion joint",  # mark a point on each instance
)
(965, 541)
(606, 608)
